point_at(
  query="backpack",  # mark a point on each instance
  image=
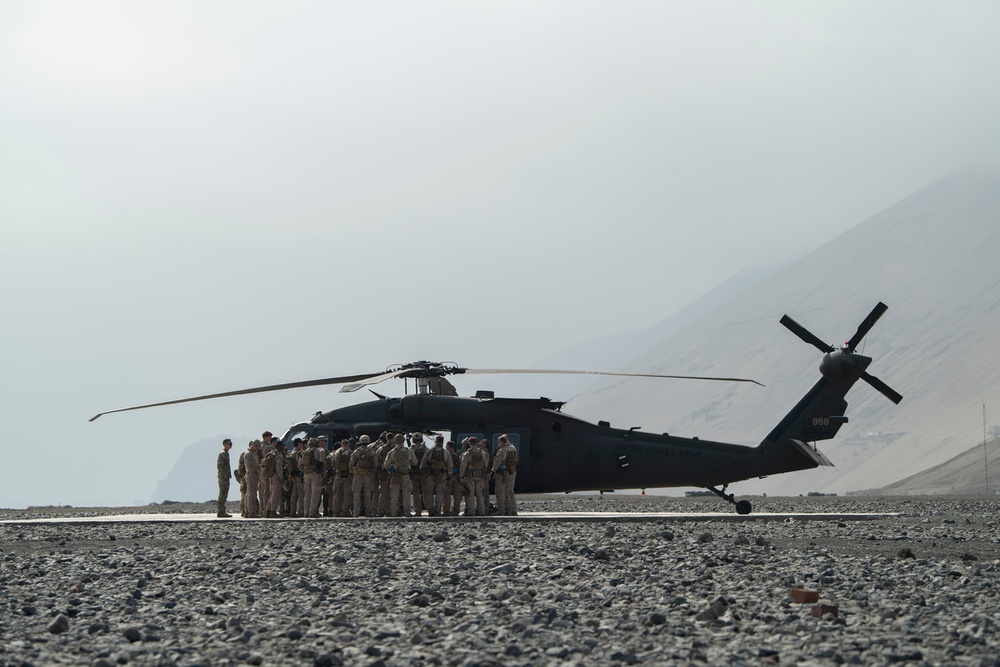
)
(241, 469)
(436, 462)
(268, 466)
(400, 461)
(476, 459)
(342, 461)
(511, 461)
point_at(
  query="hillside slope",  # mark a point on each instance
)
(932, 258)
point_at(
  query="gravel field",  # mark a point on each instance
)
(920, 587)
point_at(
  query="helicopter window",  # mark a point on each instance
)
(459, 437)
(515, 439)
(292, 434)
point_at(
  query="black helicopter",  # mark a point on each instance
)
(560, 453)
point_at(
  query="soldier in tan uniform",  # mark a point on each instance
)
(225, 473)
(383, 499)
(504, 472)
(268, 469)
(453, 488)
(362, 477)
(472, 474)
(277, 482)
(379, 476)
(400, 461)
(340, 470)
(417, 476)
(312, 474)
(484, 445)
(252, 463)
(264, 490)
(436, 466)
(326, 480)
(294, 466)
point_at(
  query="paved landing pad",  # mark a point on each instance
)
(594, 517)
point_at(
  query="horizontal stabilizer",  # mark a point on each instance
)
(812, 454)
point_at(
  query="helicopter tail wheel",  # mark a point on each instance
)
(744, 507)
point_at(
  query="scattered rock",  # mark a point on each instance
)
(59, 625)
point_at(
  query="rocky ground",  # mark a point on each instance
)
(919, 587)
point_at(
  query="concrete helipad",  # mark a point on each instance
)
(523, 517)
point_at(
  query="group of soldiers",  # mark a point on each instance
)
(360, 477)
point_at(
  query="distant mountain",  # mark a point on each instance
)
(193, 477)
(932, 258)
(965, 474)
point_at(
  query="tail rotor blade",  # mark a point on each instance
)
(805, 334)
(865, 326)
(883, 388)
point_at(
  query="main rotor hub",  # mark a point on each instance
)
(837, 364)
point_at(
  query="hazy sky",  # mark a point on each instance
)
(197, 197)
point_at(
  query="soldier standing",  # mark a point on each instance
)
(436, 466)
(252, 462)
(453, 489)
(241, 477)
(326, 482)
(399, 462)
(267, 479)
(484, 445)
(473, 475)
(362, 477)
(504, 471)
(340, 469)
(382, 501)
(264, 490)
(225, 474)
(418, 478)
(312, 472)
(377, 474)
(294, 467)
(276, 485)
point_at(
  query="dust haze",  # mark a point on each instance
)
(202, 197)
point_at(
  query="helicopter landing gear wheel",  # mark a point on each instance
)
(742, 507)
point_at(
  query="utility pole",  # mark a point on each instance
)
(986, 458)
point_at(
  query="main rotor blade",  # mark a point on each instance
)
(805, 334)
(882, 387)
(240, 392)
(366, 380)
(482, 371)
(865, 326)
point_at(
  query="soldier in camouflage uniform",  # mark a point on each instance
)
(484, 445)
(436, 466)
(472, 473)
(312, 472)
(276, 485)
(504, 472)
(417, 476)
(268, 470)
(265, 477)
(340, 469)
(252, 462)
(241, 477)
(294, 467)
(326, 485)
(382, 502)
(453, 489)
(225, 474)
(362, 477)
(378, 473)
(400, 461)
